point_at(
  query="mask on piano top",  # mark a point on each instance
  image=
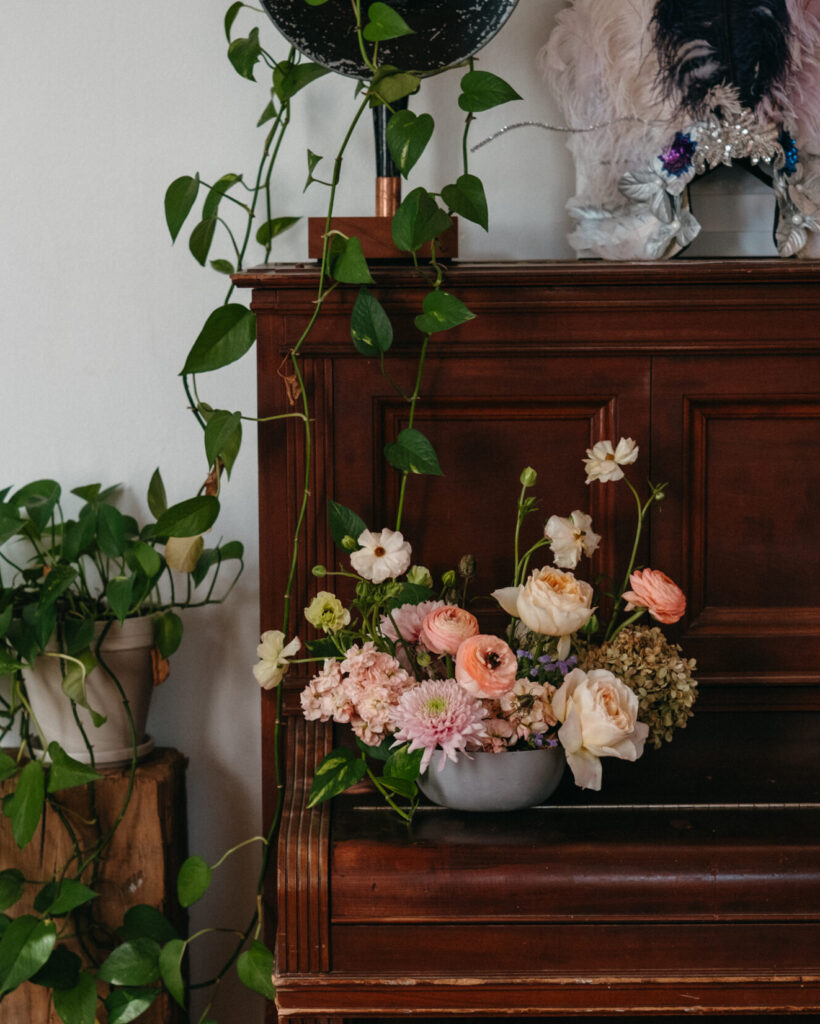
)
(661, 91)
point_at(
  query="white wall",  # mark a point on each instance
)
(104, 104)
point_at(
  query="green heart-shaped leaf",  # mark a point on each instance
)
(407, 137)
(350, 266)
(227, 335)
(193, 880)
(65, 772)
(413, 453)
(419, 219)
(337, 772)
(441, 312)
(179, 200)
(243, 53)
(482, 90)
(25, 806)
(255, 970)
(467, 198)
(370, 326)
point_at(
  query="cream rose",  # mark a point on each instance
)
(600, 716)
(444, 629)
(551, 602)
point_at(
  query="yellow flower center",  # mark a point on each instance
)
(435, 706)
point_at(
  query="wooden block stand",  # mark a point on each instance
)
(139, 866)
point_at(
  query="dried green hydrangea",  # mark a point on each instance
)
(656, 670)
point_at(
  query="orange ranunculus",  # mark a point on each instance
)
(653, 590)
(485, 666)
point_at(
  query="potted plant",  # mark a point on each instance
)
(89, 611)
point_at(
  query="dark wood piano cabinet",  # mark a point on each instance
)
(691, 883)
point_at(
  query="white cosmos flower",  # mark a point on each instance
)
(603, 462)
(381, 556)
(570, 538)
(273, 658)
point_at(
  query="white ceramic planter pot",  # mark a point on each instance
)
(494, 782)
(127, 652)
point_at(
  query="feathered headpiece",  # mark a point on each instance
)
(678, 87)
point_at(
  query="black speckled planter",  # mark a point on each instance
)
(447, 31)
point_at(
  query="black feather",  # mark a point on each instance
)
(705, 43)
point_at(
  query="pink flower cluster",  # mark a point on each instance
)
(363, 690)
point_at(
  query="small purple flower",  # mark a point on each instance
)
(677, 159)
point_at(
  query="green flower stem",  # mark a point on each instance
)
(523, 565)
(406, 815)
(403, 642)
(413, 401)
(627, 622)
(642, 509)
(519, 519)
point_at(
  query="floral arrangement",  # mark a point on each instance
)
(412, 673)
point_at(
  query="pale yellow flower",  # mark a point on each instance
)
(327, 612)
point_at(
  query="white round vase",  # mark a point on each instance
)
(127, 652)
(483, 781)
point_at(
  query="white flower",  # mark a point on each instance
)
(551, 602)
(273, 658)
(600, 716)
(603, 462)
(571, 537)
(381, 556)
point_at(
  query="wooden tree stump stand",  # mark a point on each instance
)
(139, 866)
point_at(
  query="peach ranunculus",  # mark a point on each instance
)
(600, 719)
(653, 590)
(551, 602)
(485, 666)
(444, 629)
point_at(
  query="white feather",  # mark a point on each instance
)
(600, 64)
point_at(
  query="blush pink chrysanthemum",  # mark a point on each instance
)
(438, 714)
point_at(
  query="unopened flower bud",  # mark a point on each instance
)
(349, 543)
(449, 578)
(423, 658)
(528, 476)
(420, 575)
(319, 570)
(466, 566)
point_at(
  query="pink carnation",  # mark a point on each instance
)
(324, 697)
(438, 713)
(653, 590)
(444, 629)
(367, 667)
